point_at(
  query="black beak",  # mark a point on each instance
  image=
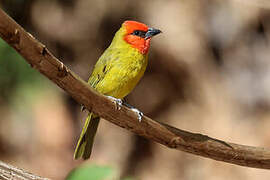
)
(151, 32)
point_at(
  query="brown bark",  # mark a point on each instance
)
(38, 56)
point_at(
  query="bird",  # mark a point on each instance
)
(116, 73)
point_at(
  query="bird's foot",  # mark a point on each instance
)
(83, 108)
(118, 102)
(137, 111)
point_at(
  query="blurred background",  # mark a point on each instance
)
(209, 72)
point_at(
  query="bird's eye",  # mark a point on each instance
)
(139, 33)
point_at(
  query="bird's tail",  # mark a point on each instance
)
(85, 143)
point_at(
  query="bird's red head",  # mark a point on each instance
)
(138, 35)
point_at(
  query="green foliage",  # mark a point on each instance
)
(14, 72)
(94, 172)
(91, 172)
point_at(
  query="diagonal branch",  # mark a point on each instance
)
(38, 56)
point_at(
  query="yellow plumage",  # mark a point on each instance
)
(119, 69)
(115, 74)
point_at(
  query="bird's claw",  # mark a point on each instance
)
(138, 112)
(118, 102)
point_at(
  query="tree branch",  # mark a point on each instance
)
(10, 172)
(38, 56)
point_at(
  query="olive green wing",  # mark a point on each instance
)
(86, 140)
(103, 65)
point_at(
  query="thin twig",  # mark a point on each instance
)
(38, 56)
(8, 172)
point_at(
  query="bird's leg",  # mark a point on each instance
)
(82, 108)
(118, 102)
(137, 111)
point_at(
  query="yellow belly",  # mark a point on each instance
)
(122, 78)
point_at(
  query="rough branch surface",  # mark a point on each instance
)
(8, 172)
(38, 56)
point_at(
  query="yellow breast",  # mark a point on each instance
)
(119, 68)
(123, 75)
